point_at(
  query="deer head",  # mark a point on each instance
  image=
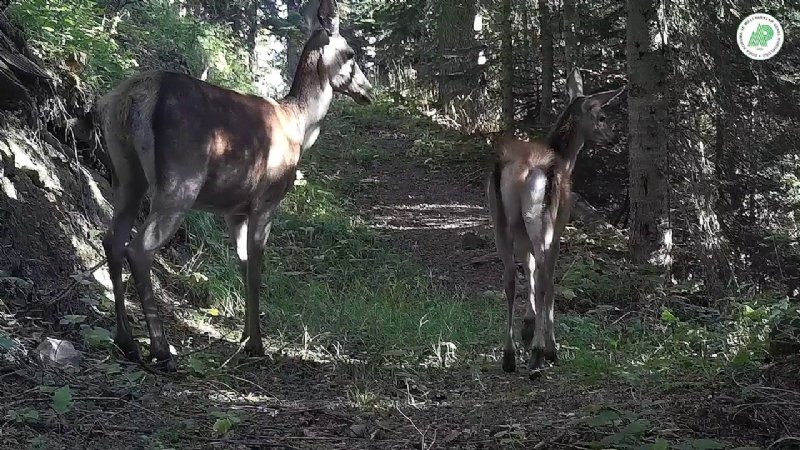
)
(587, 111)
(337, 58)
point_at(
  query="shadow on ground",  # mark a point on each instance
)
(311, 396)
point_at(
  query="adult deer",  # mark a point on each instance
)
(196, 146)
(528, 193)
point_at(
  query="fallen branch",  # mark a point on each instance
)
(490, 257)
(782, 440)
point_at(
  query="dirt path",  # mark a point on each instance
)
(434, 214)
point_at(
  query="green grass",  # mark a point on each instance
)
(329, 278)
(331, 282)
(663, 347)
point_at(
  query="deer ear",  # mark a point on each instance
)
(328, 15)
(601, 99)
(574, 84)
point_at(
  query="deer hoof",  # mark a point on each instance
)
(509, 363)
(167, 364)
(551, 355)
(537, 360)
(129, 348)
(254, 348)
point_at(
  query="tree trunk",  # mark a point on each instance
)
(252, 34)
(294, 41)
(546, 39)
(650, 233)
(459, 92)
(508, 65)
(571, 22)
(709, 237)
(456, 47)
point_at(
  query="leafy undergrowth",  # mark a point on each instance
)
(100, 44)
(366, 350)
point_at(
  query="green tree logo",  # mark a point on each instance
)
(761, 36)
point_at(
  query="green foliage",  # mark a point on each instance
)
(201, 364)
(139, 36)
(6, 343)
(60, 28)
(62, 400)
(597, 271)
(97, 336)
(161, 30)
(39, 443)
(24, 415)
(72, 319)
(627, 430)
(225, 421)
(662, 346)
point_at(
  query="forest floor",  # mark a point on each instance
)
(384, 323)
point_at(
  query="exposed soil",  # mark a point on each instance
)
(434, 214)
(290, 401)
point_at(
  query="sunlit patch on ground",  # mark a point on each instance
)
(428, 216)
(365, 350)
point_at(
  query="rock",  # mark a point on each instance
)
(378, 435)
(59, 354)
(358, 430)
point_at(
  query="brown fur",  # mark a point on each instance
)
(517, 160)
(197, 146)
(529, 200)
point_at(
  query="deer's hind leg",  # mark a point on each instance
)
(128, 195)
(505, 249)
(550, 352)
(167, 210)
(504, 242)
(540, 229)
(529, 320)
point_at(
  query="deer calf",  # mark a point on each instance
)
(194, 145)
(528, 193)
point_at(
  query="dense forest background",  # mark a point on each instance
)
(725, 147)
(682, 264)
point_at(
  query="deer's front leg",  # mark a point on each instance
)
(258, 228)
(237, 226)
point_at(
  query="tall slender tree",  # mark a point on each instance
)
(571, 44)
(650, 234)
(546, 25)
(507, 55)
(457, 48)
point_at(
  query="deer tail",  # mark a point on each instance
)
(496, 196)
(126, 118)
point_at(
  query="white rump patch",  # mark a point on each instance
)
(533, 200)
